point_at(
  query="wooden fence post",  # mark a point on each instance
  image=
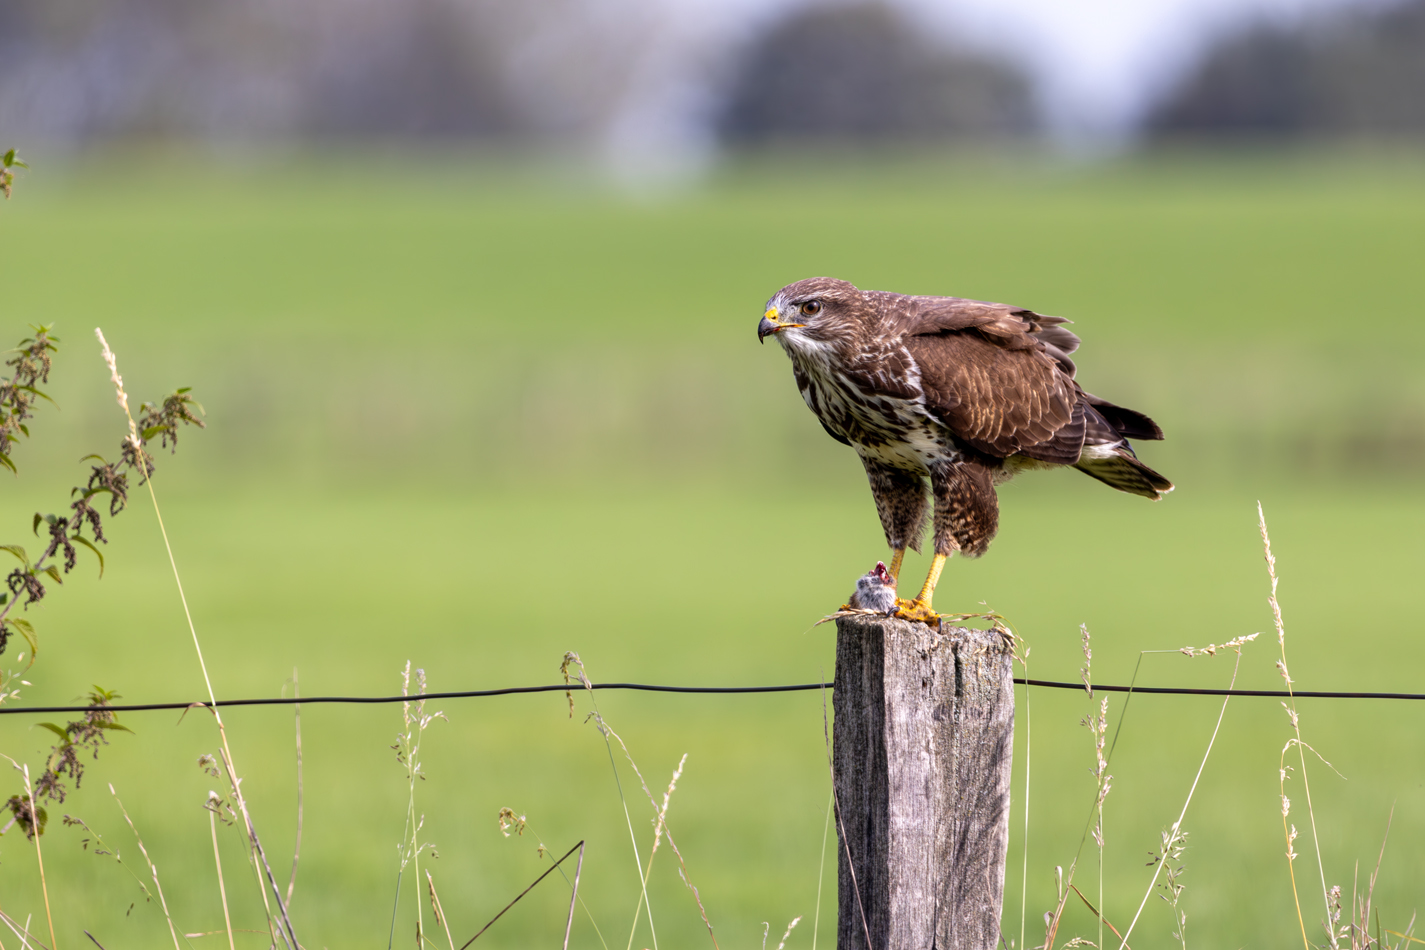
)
(923, 739)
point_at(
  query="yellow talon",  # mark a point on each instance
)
(921, 608)
(914, 610)
(896, 558)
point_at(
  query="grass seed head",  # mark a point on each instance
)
(510, 821)
(1212, 648)
(1086, 672)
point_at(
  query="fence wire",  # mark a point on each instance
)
(653, 688)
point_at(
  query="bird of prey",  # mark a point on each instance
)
(964, 393)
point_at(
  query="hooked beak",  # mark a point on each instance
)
(771, 324)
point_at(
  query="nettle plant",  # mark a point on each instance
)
(63, 535)
(8, 163)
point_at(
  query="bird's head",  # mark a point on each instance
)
(819, 310)
(883, 575)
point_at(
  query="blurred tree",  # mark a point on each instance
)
(1359, 72)
(415, 68)
(224, 69)
(862, 72)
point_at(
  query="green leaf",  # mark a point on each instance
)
(35, 528)
(50, 519)
(5, 461)
(93, 455)
(10, 157)
(18, 551)
(183, 389)
(113, 725)
(57, 730)
(40, 394)
(152, 431)
(53, 571)
(91, 547)
(28, 632)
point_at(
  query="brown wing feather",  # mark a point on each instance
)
(1012, 327)
(998, 391)
(923, 316)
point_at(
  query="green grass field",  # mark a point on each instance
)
(474, 418)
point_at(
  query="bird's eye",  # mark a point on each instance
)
(811, 308)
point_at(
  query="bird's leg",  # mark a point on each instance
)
(927, 591)
(920, 608)
(897, 556)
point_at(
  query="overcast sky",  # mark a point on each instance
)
(1103, 58)
(1099, 59)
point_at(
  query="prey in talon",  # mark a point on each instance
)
(875, 590)
(945, 398)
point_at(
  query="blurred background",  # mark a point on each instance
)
(674, 83)
(468, 289)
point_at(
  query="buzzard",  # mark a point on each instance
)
(965, 393)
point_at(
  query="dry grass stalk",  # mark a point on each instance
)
(572, 661)
(767, 929)
(519, 824)
(569, 921)
(257, 858)
(1288, 830)
(821, 874)
(841, 825)
(438, 910)
(22, 933)
(101, 850)
(152, 868)
(37, 823)
(39, 856)
(1356, 930)
(1098, 726)
(297, 845)
(222, 888)
(1171, 860)
(415, 721)
(660, 829)
(1085, 674)
(1173, 837)
(1021, 656)
(285, 931)
(578, 847)
(660, 820)
(1054, 917)
(1095, 911)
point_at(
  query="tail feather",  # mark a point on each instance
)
(1130, 424)
(1123, 471)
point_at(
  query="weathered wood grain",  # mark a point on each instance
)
(923, 738)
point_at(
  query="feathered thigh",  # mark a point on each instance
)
(901, 501)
